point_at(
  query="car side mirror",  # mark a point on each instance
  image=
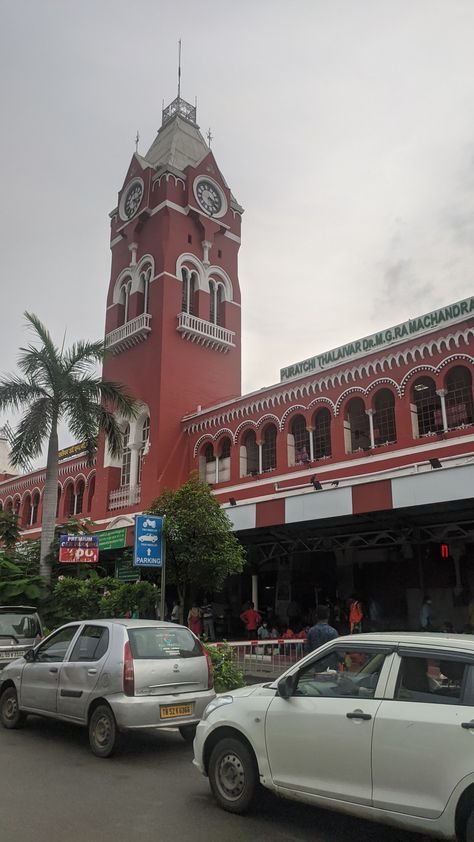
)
(287, 685)
(29, 655)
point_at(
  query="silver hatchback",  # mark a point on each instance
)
(111, 676)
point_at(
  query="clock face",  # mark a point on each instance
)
(209, 197)
(132, 199)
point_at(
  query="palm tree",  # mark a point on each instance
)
(61, 385)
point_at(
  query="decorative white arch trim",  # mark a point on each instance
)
(121, 520)
(217, 273)
(192, 263)
(143, 271)
(125, 277)
(90, 477)
(249, 424)
(289, 411)
(200, 442)
(79, 477)
(355, 392)
(270, 419)
(325, 402)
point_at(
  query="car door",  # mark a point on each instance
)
(319, 740)
(81, 671)
(40, 677)
(424, 733)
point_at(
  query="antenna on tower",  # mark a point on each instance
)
(179, 68)
(209, 137)
(136, 141)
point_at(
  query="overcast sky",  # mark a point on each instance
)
(345, 128)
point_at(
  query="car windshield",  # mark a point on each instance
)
(159, 643)
(19, 624)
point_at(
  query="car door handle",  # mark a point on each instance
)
(467, 725)
(91, 672)
(53, 669)
(357, 714)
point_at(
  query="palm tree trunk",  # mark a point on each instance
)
(50, 502)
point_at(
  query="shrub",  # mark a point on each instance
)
(227, 675)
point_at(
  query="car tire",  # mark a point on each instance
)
(469, 835)
(104, 736)
(233, 775)
(10, 714)
(188, 732)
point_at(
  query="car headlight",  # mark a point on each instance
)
(217, 703)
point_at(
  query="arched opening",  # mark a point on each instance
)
(322, 433)
(126, 457)
(16, 505)
(298, 441)
(35, 508)
(125, 300)
(79, 497)
(249, 455)
(189, 291)
(144, 438)
(385, 431)
(216, 302)
(356, 426)
(26, 511)
(269, 448)
(207, 464)
(69, 500)
(459, 403)
(90, 492)
(428, 417)
(9, 506)
(224, 460)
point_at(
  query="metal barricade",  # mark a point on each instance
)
(266, 658)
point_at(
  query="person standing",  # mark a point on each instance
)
(252, 620)
(356, 615)
(208, 620)
(175, 612)
(195, 620)
(321, 632)
(426, 615)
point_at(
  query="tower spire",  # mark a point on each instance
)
(179, 69)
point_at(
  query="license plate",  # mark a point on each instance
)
(4, 656)
(172, 711)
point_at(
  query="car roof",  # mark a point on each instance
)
(128, 623)
(17, 608)
(421, 639)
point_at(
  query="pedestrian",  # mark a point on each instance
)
(263, 632)
(356, 615)
(195, 620)
(208, 620)
(252, 619)
(321, 632)
(374, 614)
(425, 614)
(175, 612)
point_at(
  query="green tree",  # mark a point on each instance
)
(201, 550)
(60, 385)
(19, 569)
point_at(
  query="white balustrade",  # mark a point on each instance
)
(205, 333)
(132, 332)
(124, 496)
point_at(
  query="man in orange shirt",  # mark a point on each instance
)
(252, 619)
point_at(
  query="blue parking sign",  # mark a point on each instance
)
(149, 539)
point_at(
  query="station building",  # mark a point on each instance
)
(354, 473)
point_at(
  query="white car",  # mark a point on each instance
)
(375, 725)
(148, 539)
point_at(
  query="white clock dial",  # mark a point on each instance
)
(210, 197)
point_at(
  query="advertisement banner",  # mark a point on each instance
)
(78, 549)
(148, 550)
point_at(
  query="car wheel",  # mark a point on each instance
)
(469, 836)
(104, 736)
(188, 732)
(10, 714)
(233, 775)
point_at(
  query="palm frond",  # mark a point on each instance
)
(16, 392)
(31, 433)
(109, 425)
(43, 334)
(81, 355)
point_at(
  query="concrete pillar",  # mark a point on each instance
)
(370, 413)
(255, 590)
(442, 394)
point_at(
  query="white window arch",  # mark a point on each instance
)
(145, 439)
(217, 295)
(126, 457)
(125, 299)
(190, 287)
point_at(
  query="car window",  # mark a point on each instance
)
(341, 673)
(423, 679)
(55, 648)
(159, 643)
(19, 624)
(91, 644)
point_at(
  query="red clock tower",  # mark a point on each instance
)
(173, 306)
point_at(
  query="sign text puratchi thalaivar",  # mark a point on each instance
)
(78, 549)
(352, 350)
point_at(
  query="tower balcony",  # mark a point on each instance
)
(126, 495)
(205, 333)
(129, 334)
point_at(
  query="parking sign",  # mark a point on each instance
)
(149, 541)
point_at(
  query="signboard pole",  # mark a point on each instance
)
(163, 574)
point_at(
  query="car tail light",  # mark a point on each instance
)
(128, 671)
(210, 671)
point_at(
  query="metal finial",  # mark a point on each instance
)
(179, 68)
(136, 141)
(209, 137)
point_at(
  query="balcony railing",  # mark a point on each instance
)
(205, 333)
(124, 496)
(129, 334)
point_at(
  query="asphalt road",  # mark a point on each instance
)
(52, 789)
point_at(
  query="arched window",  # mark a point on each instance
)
(145, 278)
(385, 431)
(79, 497)
(459, 404)
(216, 301)
(429, 416)
(207, 464)
(125, 299)
(249, 455)
(269, 448)
(70, 500)
(143, 447)
(35, 508)
(356, 426)
(91, 492)
(16, 505)
(126, 457)
(322, 433)
(9, 506)
(223, 468)
(301, 439)
(190, 287)
(26, 515)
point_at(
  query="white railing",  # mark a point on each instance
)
(266, 658)
(128, 334)
(205, 333)
(124, 496)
